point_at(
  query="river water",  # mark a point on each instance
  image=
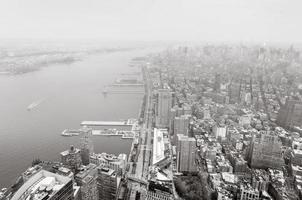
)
(68, 94)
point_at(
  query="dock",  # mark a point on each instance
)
(105, 123)
(124, 134)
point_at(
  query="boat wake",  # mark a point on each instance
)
(34, 104)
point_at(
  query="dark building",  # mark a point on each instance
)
(234, 92)
(87, 179)
(159, 191)
(86, 145)
(290, 114)
(265, 152)
(107, 183)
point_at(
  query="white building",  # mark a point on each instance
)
(45, 185)
(220, 131)
(117, 163)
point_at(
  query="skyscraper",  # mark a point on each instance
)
(87, 179)
(107, 183)
(290, 114)
(177, 112)
(234, 92)
(266, 152)
(45, 185)
(86, 145)
(72, 158)
(164, 104)
(181, 124)
(186, 153)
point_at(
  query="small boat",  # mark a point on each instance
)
(69, 132)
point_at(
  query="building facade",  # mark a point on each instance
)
(164, 104)
(290, 114)
(86, 145)
(181, 124)
(72, 158)
(266, 152)
(186, 153)
(107, 183)
(87, 180)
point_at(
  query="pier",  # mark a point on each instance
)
(106, 123)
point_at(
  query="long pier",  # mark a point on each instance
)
(106, 123)
(124, 92)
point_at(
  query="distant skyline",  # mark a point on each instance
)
(186, 20)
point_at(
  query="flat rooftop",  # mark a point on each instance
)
(158, 146)
(42, 185)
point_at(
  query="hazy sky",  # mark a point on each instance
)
(205, 20)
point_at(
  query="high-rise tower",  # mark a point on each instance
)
(86, 145)
(164, 105)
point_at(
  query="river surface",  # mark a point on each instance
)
(66, 95)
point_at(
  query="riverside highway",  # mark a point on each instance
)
(138, 180)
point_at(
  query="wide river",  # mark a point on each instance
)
(69, 94)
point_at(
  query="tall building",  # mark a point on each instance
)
(173, 114)
(86, 145)
(234, 92)
(186, 153)
(266, 152)
(107, 182)
(87, 180)
(45, 185)
(72, 158)
(164, 104)
(177, 112)
(181, 124)
(290, 114)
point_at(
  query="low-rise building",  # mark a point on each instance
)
(117, 163)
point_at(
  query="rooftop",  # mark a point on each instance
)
(158, 146)
(86, 171)
(42, 185)
(107, 171)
